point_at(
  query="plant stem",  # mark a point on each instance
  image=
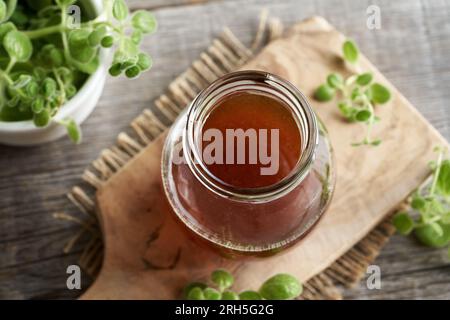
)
(61, 86)
(33, 34)
(371, 121)
(62, 30)
(5, 76)
(11, 64)
(431, 220)
(436, 173)
(62, 27)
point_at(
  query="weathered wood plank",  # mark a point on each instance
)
(412, 49)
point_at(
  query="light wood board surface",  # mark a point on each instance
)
(412, 50)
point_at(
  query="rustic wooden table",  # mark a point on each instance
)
(412, 49)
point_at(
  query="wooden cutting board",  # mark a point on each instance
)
(146, 255)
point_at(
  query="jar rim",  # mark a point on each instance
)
(232, 82)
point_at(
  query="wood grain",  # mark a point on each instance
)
(412, 50)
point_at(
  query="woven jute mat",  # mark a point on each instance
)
(225, 54)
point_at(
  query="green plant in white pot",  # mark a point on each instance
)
(52, 62)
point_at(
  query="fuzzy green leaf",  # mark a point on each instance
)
(144, 21)
(418, 203)
(191, 286)
(443, 181)
(281, 287)
(222, 279)
(363, 115)
(350, 51)
(378, 93)
(73, 130)
(335, 81)
(229, 295)
(403, 223)
(433, 236)
(212, 294)
(250, 295)
(120, 10)
(324, 93)
(196, 294)
(3, 10)
(364, 79)
(41, 119)
(144, 61)
(18, 46)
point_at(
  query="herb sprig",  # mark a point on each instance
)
(45, 58)
(359, 95)
(279, 287)
(432, 204)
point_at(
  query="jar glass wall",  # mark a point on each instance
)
(240, 219)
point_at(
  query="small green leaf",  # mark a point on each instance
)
(363, 115)
(144, 21)
(71, 90)
(347, 111)
(18, 46)
(128, 63)
(5, 28)
(96, 36)
(3, 10)
(41, 119)
(144, 61)
(446, 218)
(356, 93)
(196, 294)
(250, 295)
(107, 42)
(130, 48)
(132, 72)
(443, 180)
(32, 89)
(229, 295)
(350, 51)
(136, 37)
(89, 67)
(191, 286)
(120, 10)
(12, 103)
(115, 70)
(430, 236)
(324, 93)
(22, 81)
(222, 279)
(11, 6)
(49, 87)
(378, 93)
(364, 79)
(418, 203)
(212, 294)
(376, 142)
(50, 56)
(73, 130)
(335, 81)
(281, 287)
(403, 223)
(79, 46)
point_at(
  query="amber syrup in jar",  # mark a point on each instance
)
(247, 169)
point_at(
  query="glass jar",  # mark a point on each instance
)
(243, 220)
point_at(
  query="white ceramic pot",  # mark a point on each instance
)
(25, 133)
